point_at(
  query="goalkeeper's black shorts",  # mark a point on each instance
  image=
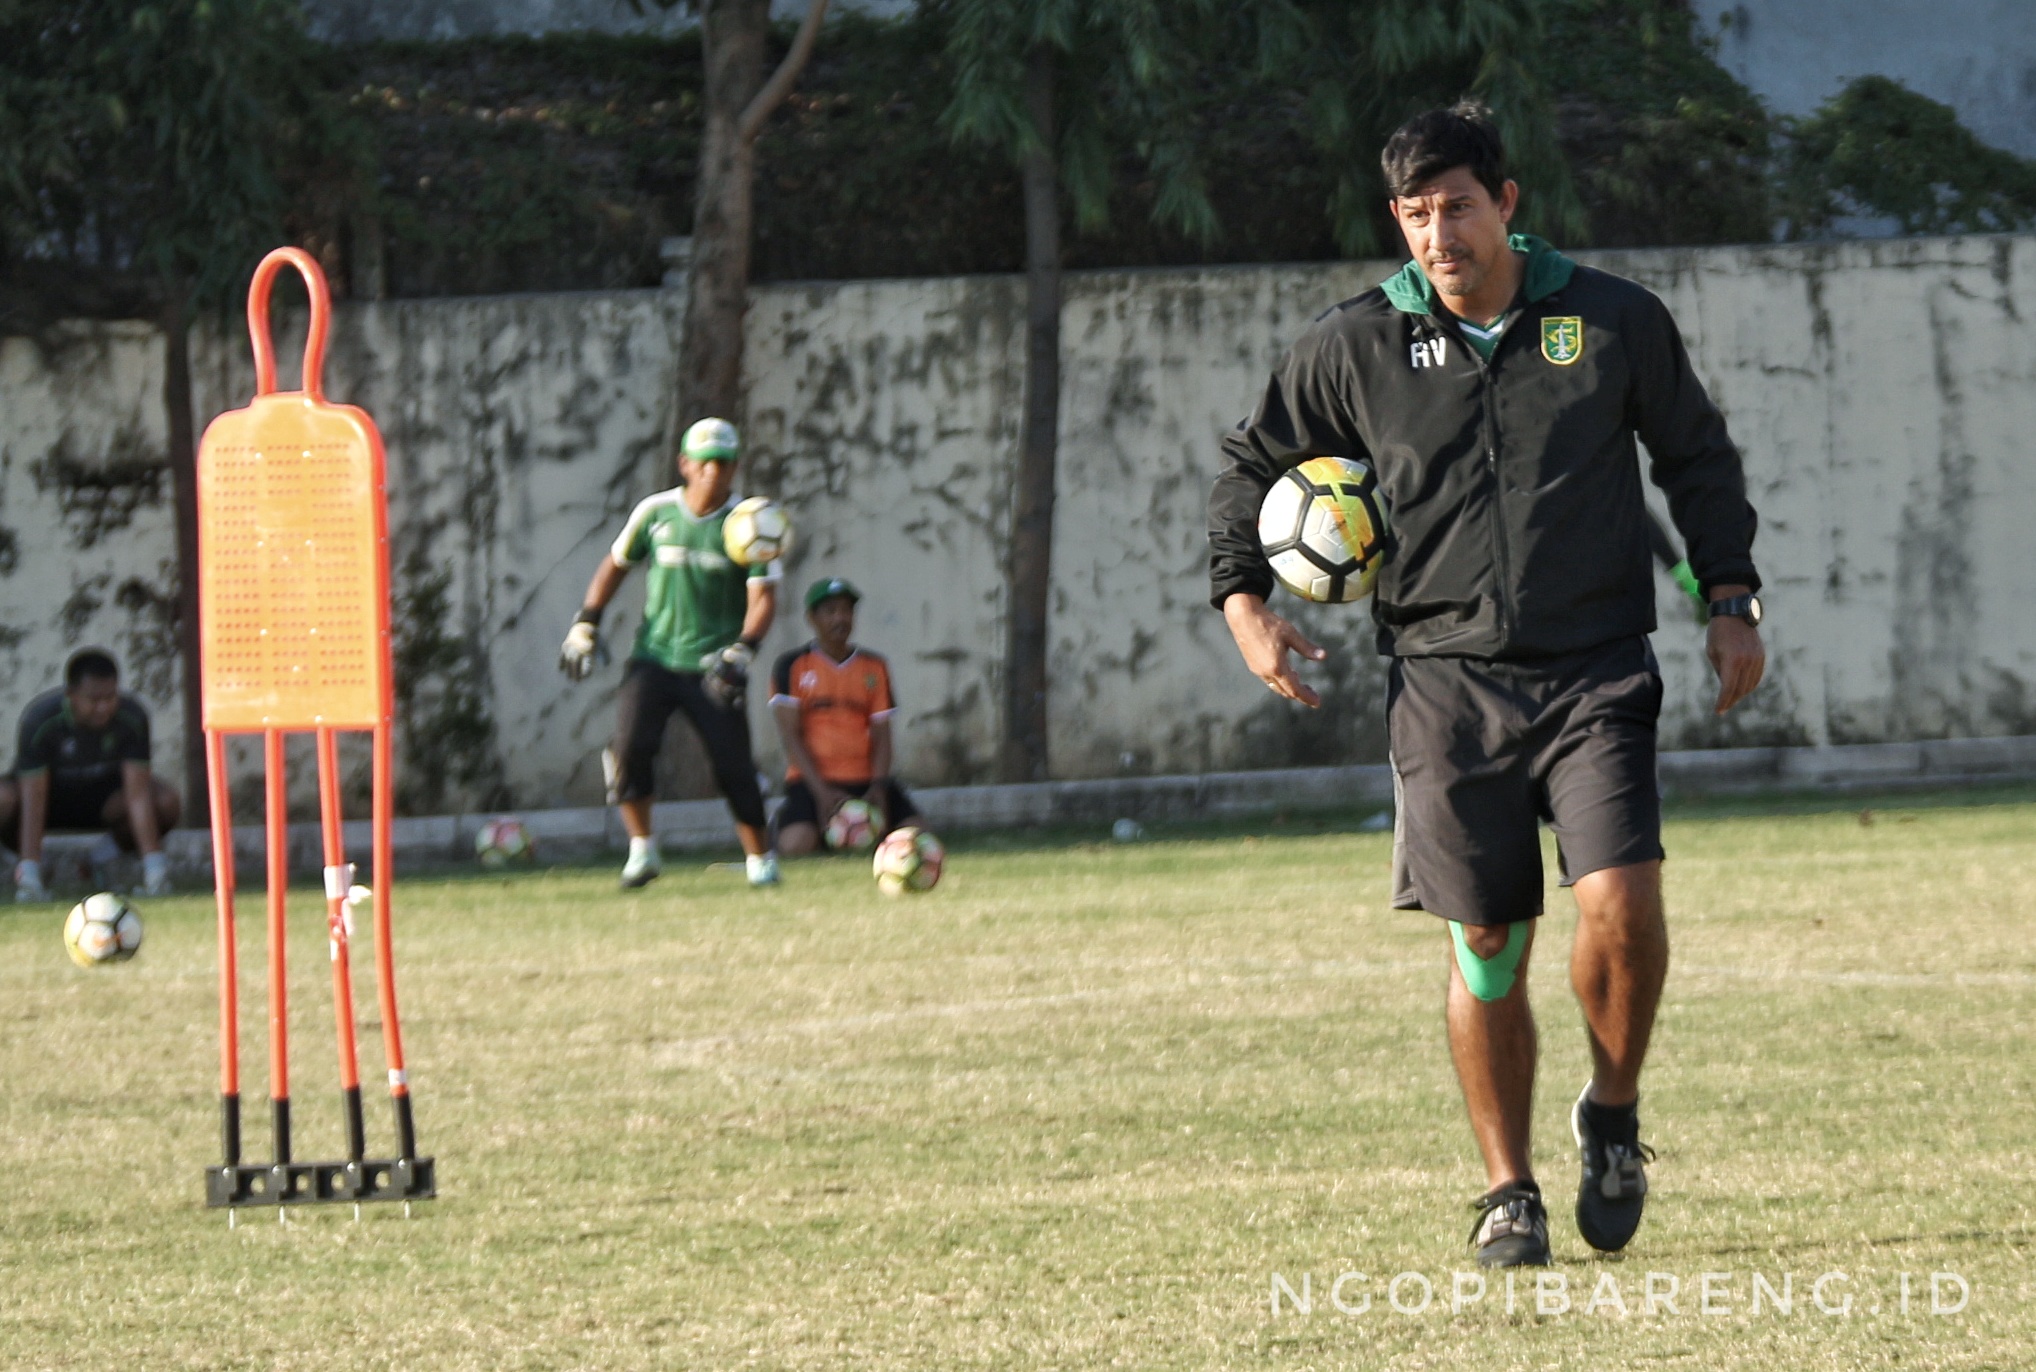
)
(1484, 751)
(650, 694)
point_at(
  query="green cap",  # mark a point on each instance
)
(711, 440)
(827, 587)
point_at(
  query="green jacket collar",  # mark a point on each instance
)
(1548, 271)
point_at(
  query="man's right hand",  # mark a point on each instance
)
(578, 654)
(1265, 639)
(28, 881)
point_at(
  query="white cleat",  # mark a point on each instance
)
(762, 869)
(640, 871)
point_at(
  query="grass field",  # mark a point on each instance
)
(1074, 1109)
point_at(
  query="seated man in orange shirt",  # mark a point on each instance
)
(833, 707)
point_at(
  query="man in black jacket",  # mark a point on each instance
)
(1498, 388)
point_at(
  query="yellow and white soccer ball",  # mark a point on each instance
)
(504, 842)
(852, 827)
(908, 860)
(756, 530)
(1323, 528)
(100, 929)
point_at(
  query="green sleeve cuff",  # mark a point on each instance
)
(1687, 579)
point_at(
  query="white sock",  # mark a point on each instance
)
(642, 851)
(154, 867)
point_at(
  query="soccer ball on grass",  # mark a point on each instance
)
(909, 859)
(1323, 528)
(852, 827)
(502, 843)
(756, 530)
(100, 929)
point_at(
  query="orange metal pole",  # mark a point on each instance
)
(338, 882)
(229, 966)
(279, 985)
(385, 954)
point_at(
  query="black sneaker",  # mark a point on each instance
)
(1512, 1227)
(1613, 1190)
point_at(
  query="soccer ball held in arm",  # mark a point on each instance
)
(1323, 528)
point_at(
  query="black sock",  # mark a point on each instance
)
(1613, 1123)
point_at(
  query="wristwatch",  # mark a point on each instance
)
(1746, 607)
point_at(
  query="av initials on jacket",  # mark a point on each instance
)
(1430, 352)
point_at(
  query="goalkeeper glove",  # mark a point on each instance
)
(582, 651)
(727, 674)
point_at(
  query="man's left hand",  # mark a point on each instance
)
(1736, 655)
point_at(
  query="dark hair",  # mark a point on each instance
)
(1430, 144)
(89, 664)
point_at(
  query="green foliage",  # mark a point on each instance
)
(445, 726)
(520, 164)
(1665, 145)
(1878, 148)
(559, 163)
(38, 111)
(1364, 69)
(1123, 83)
(1136, 79)
(170, 120)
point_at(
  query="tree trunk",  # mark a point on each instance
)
(739, 101)
(176, 324)
(732, 34)
(1030, 588)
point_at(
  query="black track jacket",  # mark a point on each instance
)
(1512, 486)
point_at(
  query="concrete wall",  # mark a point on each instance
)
(1977, 56)
(1882, 391)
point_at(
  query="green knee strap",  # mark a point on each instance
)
(1489, 978)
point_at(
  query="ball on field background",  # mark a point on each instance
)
(1323, 528)
(100, 929)
(756, 530)
(852, 827)
(503, 843)
(908, 860)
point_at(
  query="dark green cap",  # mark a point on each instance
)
(827, 587)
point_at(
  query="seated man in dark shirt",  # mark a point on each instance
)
(83, 763)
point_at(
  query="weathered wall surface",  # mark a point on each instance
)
(1883, 393)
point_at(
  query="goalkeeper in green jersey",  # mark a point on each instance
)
(703, 617)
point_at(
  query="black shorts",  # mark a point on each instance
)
(644, 704)
(1483, 751)
(72, 806)
(801, 807)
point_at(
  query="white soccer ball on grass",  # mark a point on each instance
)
(504, 842)
(100, 929)
(908, 861)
